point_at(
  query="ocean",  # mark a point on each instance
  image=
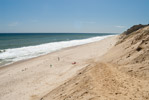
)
(20, 46)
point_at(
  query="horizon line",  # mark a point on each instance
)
(56, 32)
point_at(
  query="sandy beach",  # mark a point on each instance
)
(115, 68)
(74, 50)
(34, 78)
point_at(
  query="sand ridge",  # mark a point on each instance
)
(121, 74)
(100, 81)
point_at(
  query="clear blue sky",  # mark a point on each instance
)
(92, 16)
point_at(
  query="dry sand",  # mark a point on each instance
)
(116, 68)
(34, 78)
(121, 74)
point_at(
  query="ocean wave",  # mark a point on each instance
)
(22, 53)
(2, 51)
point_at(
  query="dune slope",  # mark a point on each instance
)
(121, 74)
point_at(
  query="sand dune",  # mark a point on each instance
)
(101, 82)
(116, 68)
(121, 74)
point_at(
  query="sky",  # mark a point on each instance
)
(72, 16)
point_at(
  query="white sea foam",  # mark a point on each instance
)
(16, 54)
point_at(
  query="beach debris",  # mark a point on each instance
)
(74, 63)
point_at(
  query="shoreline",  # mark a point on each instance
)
(33, 78)
(17, 62)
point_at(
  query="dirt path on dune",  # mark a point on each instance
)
(101, 81)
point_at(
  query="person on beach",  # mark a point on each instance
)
(58, 59)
